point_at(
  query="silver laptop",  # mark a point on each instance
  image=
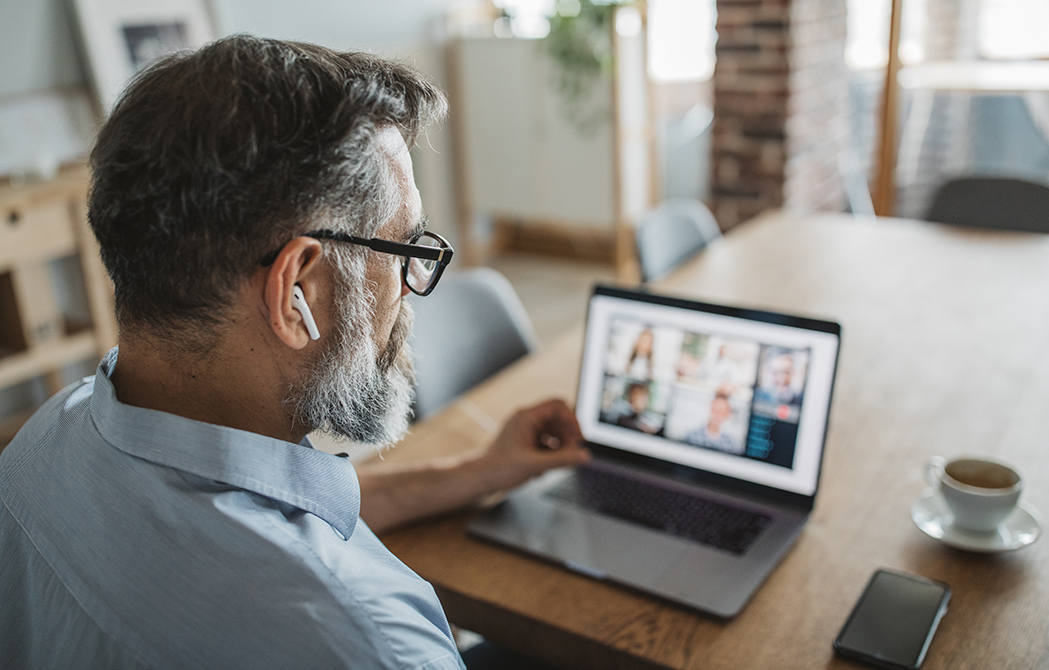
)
(707, 425)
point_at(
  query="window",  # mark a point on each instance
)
(1014, 29)
(681, 39)
(867, 41)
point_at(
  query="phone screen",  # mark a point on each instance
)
(894, 620)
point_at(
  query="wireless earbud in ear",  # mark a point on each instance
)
(298, 303)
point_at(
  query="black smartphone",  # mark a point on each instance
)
(894, 620)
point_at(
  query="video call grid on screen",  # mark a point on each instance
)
(742, 398)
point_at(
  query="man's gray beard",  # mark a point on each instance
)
(352, 390)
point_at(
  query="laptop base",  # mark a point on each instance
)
(713, 581)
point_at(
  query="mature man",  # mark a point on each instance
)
(255, 207)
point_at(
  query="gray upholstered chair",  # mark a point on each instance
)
(993, 202)
(469, 328)
(671, 234)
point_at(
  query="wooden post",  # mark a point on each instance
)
(472, 252)
(625, 129)
(622, 227)
(885, 187)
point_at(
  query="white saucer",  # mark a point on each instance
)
(1021, 528)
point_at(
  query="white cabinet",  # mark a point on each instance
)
(524, 164)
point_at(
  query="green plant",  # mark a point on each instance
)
(580, 44)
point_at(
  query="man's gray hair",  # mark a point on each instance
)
(212, 160)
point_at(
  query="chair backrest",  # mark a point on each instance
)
(469, 328)
(992, 202)
(672, 233)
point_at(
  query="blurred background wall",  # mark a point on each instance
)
(744, 104)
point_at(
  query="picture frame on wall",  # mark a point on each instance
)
(120, 37)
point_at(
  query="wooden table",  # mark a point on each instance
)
(945, 350)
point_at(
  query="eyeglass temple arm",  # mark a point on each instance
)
(442, 255)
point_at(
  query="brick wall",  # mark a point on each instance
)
(780, 107)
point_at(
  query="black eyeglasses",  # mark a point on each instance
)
(424, 259)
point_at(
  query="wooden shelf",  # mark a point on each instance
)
(41, 223)
(47, 357)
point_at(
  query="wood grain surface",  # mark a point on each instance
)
(945, 350)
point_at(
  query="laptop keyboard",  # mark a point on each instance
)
(682, 514)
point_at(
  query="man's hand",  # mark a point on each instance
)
(533, 441)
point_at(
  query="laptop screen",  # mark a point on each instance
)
(740, 393)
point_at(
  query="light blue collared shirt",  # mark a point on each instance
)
(131, 538)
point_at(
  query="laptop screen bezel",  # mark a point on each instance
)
(693, 475)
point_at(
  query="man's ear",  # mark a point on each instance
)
(297, 264)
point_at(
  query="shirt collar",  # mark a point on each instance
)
(297, 474)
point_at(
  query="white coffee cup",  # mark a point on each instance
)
(980, 492)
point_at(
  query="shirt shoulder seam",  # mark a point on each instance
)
(72, 594)
(333, 578)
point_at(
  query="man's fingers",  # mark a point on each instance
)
(555, 417)
(569, 456)
(549, 441)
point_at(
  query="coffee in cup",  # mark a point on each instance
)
(980, 492)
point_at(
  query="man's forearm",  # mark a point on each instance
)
(532, 441)
(397, 493)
